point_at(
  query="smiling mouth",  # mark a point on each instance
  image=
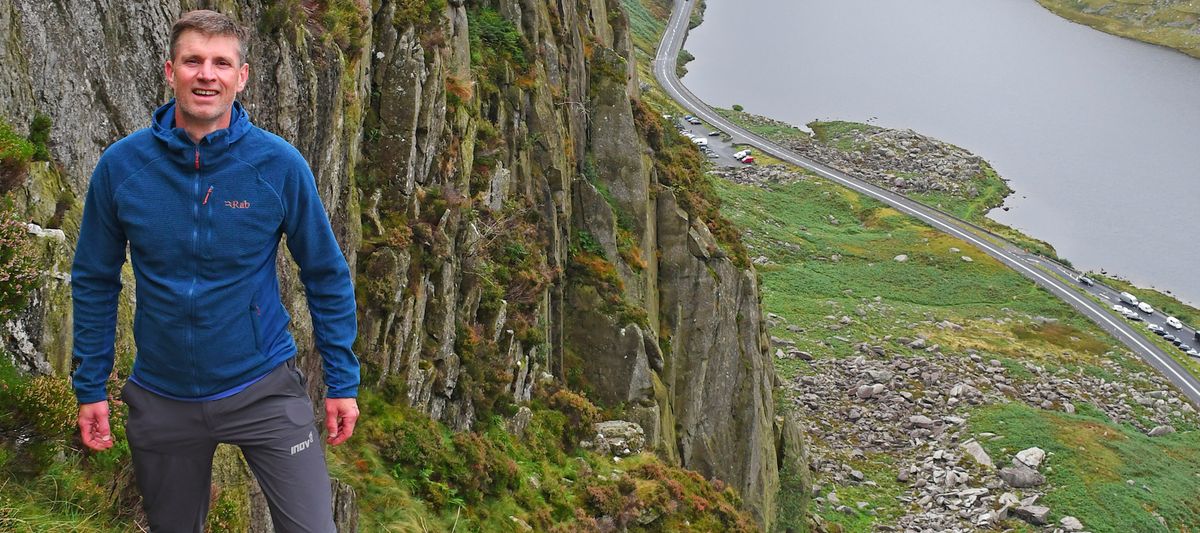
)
(202, 92)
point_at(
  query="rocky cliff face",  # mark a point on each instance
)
(489, 173)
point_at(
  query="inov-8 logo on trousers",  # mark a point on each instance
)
(303, 445)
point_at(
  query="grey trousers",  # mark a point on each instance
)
(173, 443)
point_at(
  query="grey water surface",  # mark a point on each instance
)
(1098, 135)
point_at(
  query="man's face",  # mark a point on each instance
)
(206, 75)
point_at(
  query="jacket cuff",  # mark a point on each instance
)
(342, 392)
(91, 396)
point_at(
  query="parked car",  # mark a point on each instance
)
(1085, 280)
(701, 141)
(740, 154)
(1174, 322)
(1193, 353)
(713, 155)
(1145, 307)
(1154, 327)
(695, 121)
(1118, 308)
(1197, 335)
(748, 160)
(1177, 342)
(1169, 338)
(1160, 332)
(1129, 298)
(714, 133)
(1185, 348)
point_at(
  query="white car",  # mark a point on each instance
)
(1154, 327)
(1119, 308)
(701, 141)
(1145, 307)
(1174, 322)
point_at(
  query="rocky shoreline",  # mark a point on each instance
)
(902, 161)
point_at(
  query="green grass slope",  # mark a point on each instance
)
(826, 252)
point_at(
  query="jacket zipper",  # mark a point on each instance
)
(191, 304)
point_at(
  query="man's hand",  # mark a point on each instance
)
(93, 426)
(340, 415)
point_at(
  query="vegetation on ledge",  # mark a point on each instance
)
(1170, 23)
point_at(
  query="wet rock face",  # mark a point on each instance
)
(429, 167)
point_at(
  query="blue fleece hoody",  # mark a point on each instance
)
(203, 223)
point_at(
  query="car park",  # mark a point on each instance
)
(1085, 280)
(1174, 322)
(1145, 307)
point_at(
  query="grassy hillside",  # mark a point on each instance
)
(1171, 23)
(826, 253)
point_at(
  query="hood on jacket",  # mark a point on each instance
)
(177, 138)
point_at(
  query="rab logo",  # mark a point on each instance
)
(234, 204)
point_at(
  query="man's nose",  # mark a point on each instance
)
(207, 71)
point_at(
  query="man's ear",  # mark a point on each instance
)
(169, 73)
(243, 76)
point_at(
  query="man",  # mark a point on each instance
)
(202, 198)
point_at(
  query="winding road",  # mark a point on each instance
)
(1035, 268)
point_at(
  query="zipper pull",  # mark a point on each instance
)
(197, 159)
(206, 195)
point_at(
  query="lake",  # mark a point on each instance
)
(1098, 135)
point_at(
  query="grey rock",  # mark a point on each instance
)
(921, 421)
(1031, 457)
(1070, 523)
(973, 448)
(1034, 514)
(618, 438)
(1021, 477)
(1159, 431)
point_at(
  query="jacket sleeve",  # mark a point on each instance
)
(95, 287)
(326, 279)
